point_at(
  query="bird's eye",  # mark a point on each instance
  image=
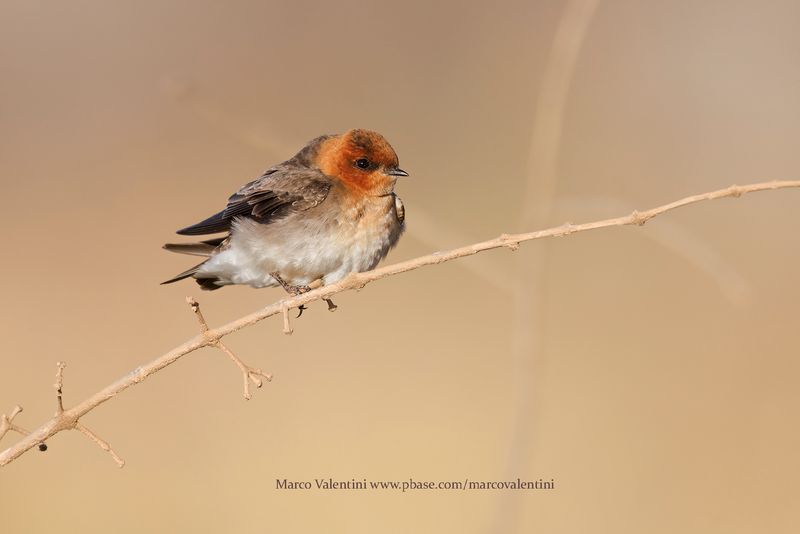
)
(362, 163)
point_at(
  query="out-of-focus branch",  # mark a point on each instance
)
(67, 419)
(529, 279)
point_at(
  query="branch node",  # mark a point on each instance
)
(566, 229)
(249, 374)
(509, 242)
(137, 375)
(735, 191)
(7, 422)
(638, 218)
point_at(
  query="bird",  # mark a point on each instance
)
(329, 211)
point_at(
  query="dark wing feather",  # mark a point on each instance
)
(279, 191)
(214, 224)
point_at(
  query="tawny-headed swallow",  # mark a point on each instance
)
(328, 211)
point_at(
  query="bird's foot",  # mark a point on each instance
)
(294, 291)
(289, 288)
(299, 290)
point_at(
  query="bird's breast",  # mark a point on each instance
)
(367, 230)
(328, 241)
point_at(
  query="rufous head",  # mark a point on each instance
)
(362, 159)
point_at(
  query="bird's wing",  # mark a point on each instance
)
(279, 191)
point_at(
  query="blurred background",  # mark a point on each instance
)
(650, 372)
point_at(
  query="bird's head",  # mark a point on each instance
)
(363, 160)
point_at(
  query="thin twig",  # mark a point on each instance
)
(103, 444)
(287, 325)
(249, 374)
(59, 385)
(76, 424)
(529, 278)
(7, 422)
(68, 419)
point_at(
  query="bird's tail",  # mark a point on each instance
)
(204, 248)
(185, 274)
(209, 284)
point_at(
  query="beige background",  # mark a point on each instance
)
(651, 372)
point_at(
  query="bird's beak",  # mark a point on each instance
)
(396, 172)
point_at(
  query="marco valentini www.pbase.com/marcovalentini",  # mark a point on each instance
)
(411, 484)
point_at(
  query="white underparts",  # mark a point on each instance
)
(306, 246)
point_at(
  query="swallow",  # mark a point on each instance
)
(329, 211)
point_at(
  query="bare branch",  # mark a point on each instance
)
(287, 325)
(68, 419)
(59, 385)
(7, 422)
(249, 374)
(100, 442)
(76, 424)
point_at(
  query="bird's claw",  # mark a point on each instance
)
(299, 290)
